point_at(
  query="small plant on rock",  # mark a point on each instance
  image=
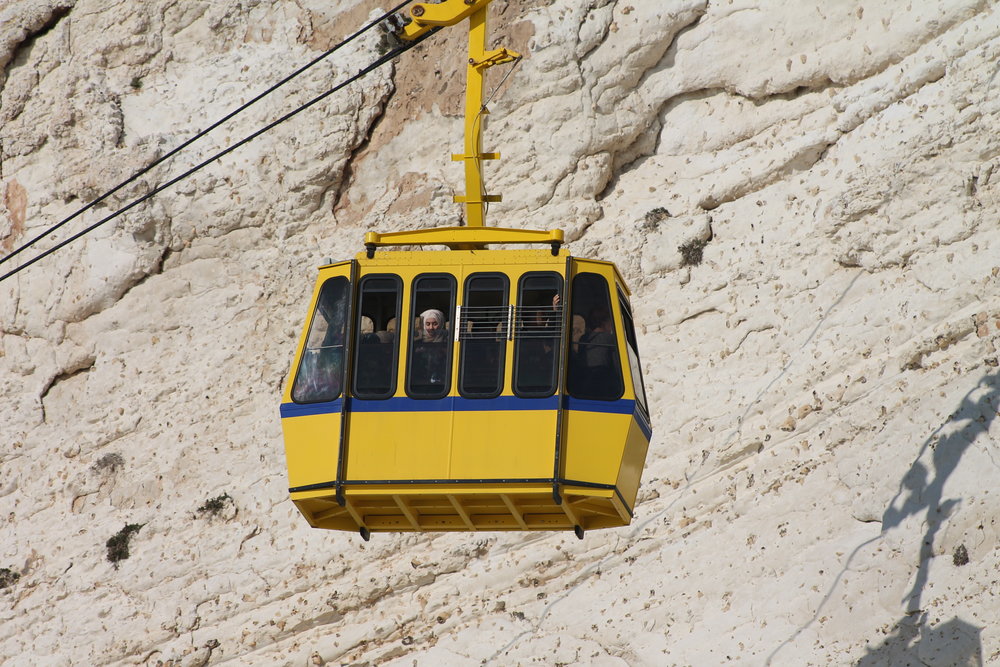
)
(118, 543)
(215, 506)
(691, 252)
(108, 463)
(657, 215)
(8, 578)
(961, 556)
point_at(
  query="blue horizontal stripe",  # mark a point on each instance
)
(455, 404)
(402, 404)
(305, 409)
(619, 407)
(459, 404)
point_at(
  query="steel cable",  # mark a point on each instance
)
(152, 193)
(190, 141)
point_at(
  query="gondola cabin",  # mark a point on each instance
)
(468, 388)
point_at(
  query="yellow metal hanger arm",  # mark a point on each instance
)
(450, 12)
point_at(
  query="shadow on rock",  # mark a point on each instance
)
(921, 493)
(912, 642)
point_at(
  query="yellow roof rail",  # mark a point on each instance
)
(463, 238)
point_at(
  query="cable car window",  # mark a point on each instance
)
(632, 348)
(321, 369)
(595, 371)
(538, 319)
(483, 336)
(376, 344)
(429, 358)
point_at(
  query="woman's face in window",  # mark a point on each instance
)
(432, 324)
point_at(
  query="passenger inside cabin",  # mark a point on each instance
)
(430, 353)
(578, 331)
(591, 357)
(600, 340)
(368, 330)
(540, 329)
(544, 322)
(540, 321)
(432, 326)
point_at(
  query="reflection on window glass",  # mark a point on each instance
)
(536, 336)
(375, 356)
(321, 369)
(594, 369)
(429, 372)
(483, 336)
(633, 353)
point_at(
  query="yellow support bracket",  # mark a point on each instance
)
(428, 16)
(500, 56)
(462, 199)
(463, 238)
(458, 157)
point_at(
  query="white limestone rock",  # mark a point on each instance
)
(824, 382)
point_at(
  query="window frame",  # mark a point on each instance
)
(462, 348)
(557, 350)
(359, 313)
(632, 348)
(572, 388)
(308, 332)
(413, 314)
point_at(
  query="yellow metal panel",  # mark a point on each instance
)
(504, 444)
(399, 445)
(633, 461)
(595, 442)
(312, 445)
(607, 269)
(466, 507)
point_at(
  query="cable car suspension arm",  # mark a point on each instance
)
(425, 17)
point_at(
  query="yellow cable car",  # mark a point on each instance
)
(466, 389)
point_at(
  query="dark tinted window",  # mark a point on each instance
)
(483, 336)
(429, 358)
(538, 320)
(595, 369)
(321, 369)
(632, 348)
(375, 357)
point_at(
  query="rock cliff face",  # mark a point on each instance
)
(821, 487)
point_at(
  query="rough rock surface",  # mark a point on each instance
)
(821, 487)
